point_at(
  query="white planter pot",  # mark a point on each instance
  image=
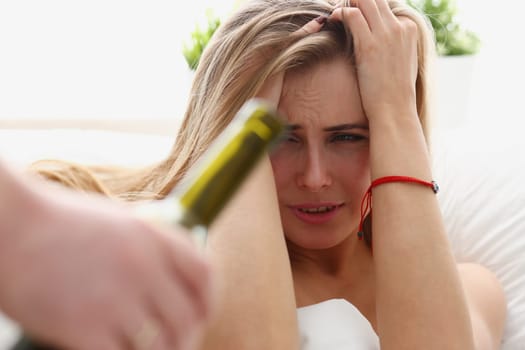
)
(453, 76)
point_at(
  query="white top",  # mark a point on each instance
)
(335, 324)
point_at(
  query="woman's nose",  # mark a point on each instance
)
(315, 175)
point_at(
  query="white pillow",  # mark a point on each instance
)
(481, 173)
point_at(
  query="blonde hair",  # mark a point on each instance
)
(252, 45)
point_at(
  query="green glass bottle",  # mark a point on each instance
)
(205, 190)
(197, 201)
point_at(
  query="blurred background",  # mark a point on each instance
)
(116, 62)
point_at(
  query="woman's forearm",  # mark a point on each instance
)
(420, 301)
(247, 249)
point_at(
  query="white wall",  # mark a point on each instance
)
(116, 59)
(101, 59)
(497, 94)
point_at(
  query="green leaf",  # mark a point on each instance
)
(199, 39)
(451, 38)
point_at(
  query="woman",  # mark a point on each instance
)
(351, 81)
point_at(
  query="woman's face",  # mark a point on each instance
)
(322, 168)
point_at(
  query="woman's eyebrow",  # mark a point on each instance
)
(293, 127)
(341, 127)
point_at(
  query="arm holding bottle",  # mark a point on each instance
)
(80, 272)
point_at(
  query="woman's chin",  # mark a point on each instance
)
(315, 243)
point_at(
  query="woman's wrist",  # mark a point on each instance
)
(398, 145)
(391, 117)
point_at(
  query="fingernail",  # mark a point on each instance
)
(321, 19)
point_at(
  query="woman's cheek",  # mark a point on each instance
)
(353, 170)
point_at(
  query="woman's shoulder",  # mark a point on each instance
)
(335, 324)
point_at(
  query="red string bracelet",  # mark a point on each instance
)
(366, 203)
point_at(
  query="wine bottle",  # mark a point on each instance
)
(205, 190)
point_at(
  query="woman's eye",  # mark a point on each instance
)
(292, 138)
(347, 138)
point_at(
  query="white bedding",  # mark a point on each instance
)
(335, 324)
(481, 173)
(8, 333)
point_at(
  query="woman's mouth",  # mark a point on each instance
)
(318, 210)
(316, 213)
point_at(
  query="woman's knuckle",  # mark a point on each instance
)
(397, 29)
(409, 26)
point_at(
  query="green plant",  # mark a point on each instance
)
(451, 37)
(199, 39)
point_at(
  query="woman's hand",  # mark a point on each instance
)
(386, 56)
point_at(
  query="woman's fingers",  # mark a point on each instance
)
(311, 27)
(385, 54)
(354, 19)
(385, 11)
(370, 11)
(377, 13)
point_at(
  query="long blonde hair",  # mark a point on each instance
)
(252, 45)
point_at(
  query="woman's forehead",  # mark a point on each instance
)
(327, 92)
